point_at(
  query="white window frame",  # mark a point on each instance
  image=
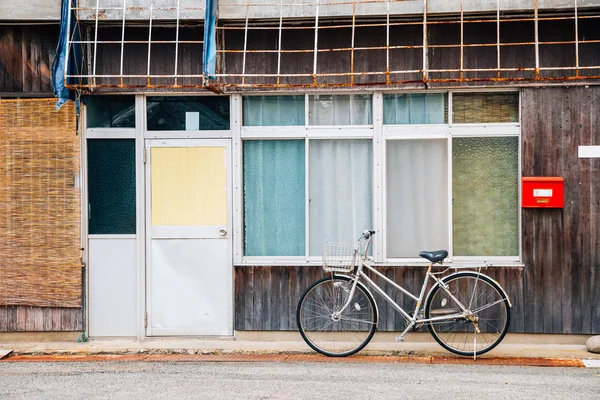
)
(304, 132)
(191, 134)
(448, 131)
(380, 134)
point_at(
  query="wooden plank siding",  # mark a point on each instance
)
(40, 319)
(557, 290)
(26, 55)
(560, 246)
(291, 281)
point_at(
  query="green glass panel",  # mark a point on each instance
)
(195, 113)
(485, 214)
(111, 186)
(110, 111)
(273, 110)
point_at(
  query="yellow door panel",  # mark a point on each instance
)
(189, 186)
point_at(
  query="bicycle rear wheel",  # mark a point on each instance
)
(489, 312)
(325, 329)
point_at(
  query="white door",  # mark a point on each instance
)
(189, 256)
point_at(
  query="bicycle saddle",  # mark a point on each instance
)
(434, 256)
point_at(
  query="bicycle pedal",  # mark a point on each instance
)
(399, 339)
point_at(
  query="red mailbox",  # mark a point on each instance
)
(543, 192)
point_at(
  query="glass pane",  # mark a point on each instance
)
(111, 186)
(273, 110)
(417, 196)
(340, 191)
(274, 198)
(191, 113)
(328, 109)
(485, 215)
(189, 186)
(424, 108)
(110, 111)
(478, 108)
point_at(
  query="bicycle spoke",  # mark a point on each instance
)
(489, 313)
(329, 329)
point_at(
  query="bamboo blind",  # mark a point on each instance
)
(478, 108)
(40, 256)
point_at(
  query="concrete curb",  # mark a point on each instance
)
(239, 357)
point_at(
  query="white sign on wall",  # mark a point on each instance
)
(589, 151)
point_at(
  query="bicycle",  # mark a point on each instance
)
(467, 312)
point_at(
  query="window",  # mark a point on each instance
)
(436, 185)
(417, 202)
(479, 108)
(485, 177)
(110, 111)
(312, 187)
(273, 110)
(353, 109)
(340, 190)
(191, 113)
(454, 187)
(422, 108)
(274, 198)
(111, 186)
(275, 201)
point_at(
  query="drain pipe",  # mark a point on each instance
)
(83, 337)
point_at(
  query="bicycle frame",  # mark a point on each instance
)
(414, 319)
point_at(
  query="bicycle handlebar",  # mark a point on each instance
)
(367, 234)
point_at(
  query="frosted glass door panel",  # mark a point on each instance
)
(189, 186)
(417, 197)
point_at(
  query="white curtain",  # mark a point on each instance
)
(417, 196)
(340, 109)
(340, 191)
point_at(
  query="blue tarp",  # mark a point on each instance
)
(210, 39)
(75, 57)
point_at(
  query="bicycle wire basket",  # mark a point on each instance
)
(339, 257)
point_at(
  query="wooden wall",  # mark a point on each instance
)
(557, 290)
(561, 247)
(266, 297)
(26, 55)
(40, 319)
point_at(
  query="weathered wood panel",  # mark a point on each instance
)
(271, 293)
(26, 55)
(40, 319)
(560, 246)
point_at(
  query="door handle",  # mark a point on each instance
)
(222, 231)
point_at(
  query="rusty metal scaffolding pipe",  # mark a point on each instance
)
(353, 22)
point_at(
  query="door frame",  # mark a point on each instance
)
(148, 144)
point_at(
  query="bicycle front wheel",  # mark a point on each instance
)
(487, 319)
(329, 331)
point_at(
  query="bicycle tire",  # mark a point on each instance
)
(484, 298)
(343, 336)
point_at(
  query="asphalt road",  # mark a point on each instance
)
(270, 380)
